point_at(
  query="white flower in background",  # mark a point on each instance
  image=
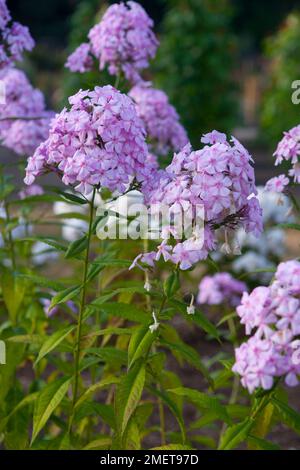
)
(72, 228)
(42, 253)
(252, 261)
(276, 207)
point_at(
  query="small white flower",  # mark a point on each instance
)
(147, 286)
(154, 325)
(191, 308)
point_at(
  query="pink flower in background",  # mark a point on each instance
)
(22, 100)
(160, 118)
(81, 59)
(289, 149)
(4, 14)
(274, 313)
(222, 287)
(277, 184)
(99, 141)
(33, 190)
(14, 38)
(123, 41)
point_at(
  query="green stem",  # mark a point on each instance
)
(146, 275)
(117, 81)
(236, 380)
(81, 311)
(160, 404)
(10, 238)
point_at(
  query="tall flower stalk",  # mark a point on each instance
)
(81, 311)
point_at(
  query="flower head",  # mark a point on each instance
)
(22, 135)
(277, 184)
(220, 288)
(204, 191)
(99, 141)
(289, 149)
(274, 313)
(14, 38)
(160, 119)
(123, 41)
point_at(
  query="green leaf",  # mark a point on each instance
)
(53, 341)
(64, 296)
(262, 444)
(48, 241)
(14, 356)
(26, 401)
(289, 226)
(102, 443)
(93, 271)
(165, 397)
(110, 331)
(73, 198)
(199, 318)
(289, 416)
(191, 356)
(47, 198)
(13, 291)
(95, 388)
(262, 423)
(125, 311)
(235, 434)
(204, 402)
(140, 344)
(128, 394)
(205, 441)
(76, 247)
(172, 284)
(47, 401)
(172, 447)
(109, 355)
(41, 281)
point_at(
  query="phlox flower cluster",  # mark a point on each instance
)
(98, 142)
(123, 41)
(220, 180)
(14, 38)
(24, 121)
(220, 288)
(160, 118)
(273, 313)
(288, 149)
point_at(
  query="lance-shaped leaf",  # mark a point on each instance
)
(47, 401)
(128, 394)
(236, 434)
(140, 344)
(288, 415)
(203, 402)
(53, 341)
(76, 247)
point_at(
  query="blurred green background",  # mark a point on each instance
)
(225, 64)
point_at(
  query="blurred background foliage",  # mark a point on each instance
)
(195, 64)
(283, 50)
(200, 63)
